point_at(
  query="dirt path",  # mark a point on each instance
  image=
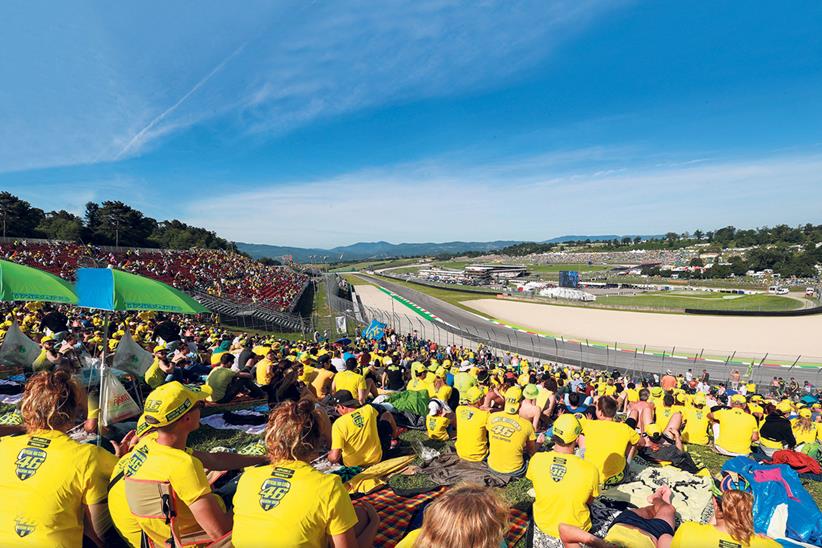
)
(788, 336)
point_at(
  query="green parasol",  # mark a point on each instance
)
(110, 289)
(24, 283)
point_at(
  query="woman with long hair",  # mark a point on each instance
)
(56, 487)
(288, 502)
(466, 515)
(733, 514)
(804, 429)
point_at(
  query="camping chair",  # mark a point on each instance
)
(149, 499)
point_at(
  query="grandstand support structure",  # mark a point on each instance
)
(254, 316)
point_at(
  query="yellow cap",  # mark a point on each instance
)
(159, 347)
(805, 413)
(656, 391)
(567, 428)
(737, 398)
(784, 406)
(512, 399)
(699, 398)
(46, 339)
(680, 398)
(167, 403)
(440, 372)
(473, 394)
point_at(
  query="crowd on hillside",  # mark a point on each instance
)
(218, 272)
(639, 256)
(342, 406)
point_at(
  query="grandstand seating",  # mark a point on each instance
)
(219, 273)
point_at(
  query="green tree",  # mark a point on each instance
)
(115, 223)
(18, 218)
(696, 261)
(61, 225)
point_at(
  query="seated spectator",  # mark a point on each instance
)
(659, 447)
(564, 484)
(226, 384)
(804, 429)
(737, 429)
(437, 422)
(362, 434)
(465, 515)
(173, 411)
(776, 432)
(511, 438)
(648, 527)
(55, 488)
(528, 409)
(607, 442)
(733, 512)
(472, 431)
(696, 421)
(290, 503)
(155, 375)
(350, 381)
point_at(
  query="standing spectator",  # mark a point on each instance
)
(472, 432)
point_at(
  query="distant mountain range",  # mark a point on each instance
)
(384, 250)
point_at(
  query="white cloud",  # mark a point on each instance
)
(428, 202)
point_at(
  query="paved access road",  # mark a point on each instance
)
(468, 325)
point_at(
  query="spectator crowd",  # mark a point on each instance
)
(338, 409)
(218, 272)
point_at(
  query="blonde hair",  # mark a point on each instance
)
(293, 431)
(804, 424)
(51, 401)
(737, 512)
(467, 515)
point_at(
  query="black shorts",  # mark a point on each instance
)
(654, 527)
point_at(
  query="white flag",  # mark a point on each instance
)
(132, 357)
(18, 349)
(341, 324)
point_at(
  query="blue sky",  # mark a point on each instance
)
(326, 123)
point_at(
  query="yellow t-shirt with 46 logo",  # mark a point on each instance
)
(290, 504)
(47, 477)
(508, 435)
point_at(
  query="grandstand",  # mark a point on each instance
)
(224, 281)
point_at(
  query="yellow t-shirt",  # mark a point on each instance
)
(543, 397)
(472, 434)
(664, 414)
(610, 390)
(186, 475)
(632, 395)
(348, 380)
(290, 504)
(437, 427)
(507, 435)
(320, 382)
(125, 523)
(621, 535)
(443, 393)
(154, 376)
(563, 485)
(692, 534)
(409, 539)
(605, 445)
(356, 435)
(803, 436)
(735, 429)
(263, 372)
(46, 478)
(696, 425)
(417, 385)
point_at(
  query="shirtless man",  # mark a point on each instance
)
(643, 409)
(528, 409)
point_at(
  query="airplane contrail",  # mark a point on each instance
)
(139, 135)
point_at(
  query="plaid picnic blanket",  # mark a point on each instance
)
(396, 511)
